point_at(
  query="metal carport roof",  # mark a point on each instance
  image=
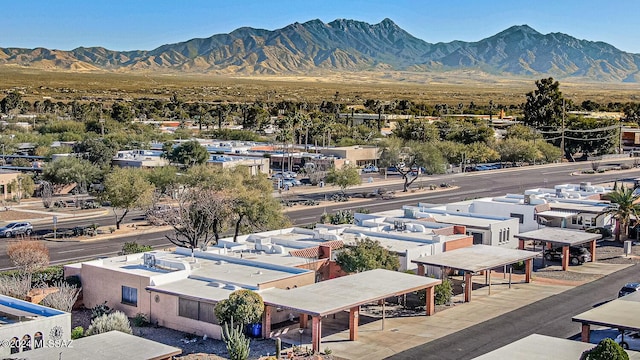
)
(622, 313)
(331, 296)
(559, 236)
(477, 258)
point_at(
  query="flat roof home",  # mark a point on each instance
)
(573, 206)
(494, 230)
(177, 290)
(25, 326)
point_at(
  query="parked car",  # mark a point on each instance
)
(16, 228)
(370, 169)
(631, 340)
(629, 288)
(577, 255)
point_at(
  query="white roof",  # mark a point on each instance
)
(330, 296)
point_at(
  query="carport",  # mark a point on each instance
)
(561, 237)
(620, 313)
(343, 293)
(478, 258)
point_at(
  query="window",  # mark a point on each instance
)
(519, 216)
(196, 310)
(129, 296)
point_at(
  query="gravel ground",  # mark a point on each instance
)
(193, 348)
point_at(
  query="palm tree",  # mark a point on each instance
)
(624, 204)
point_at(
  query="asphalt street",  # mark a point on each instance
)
(551, 316)
(469, 185)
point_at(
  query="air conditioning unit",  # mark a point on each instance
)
(149, 260)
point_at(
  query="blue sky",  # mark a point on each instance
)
(145, 25)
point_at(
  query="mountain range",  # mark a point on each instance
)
(352, 46)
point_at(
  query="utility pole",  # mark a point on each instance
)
(562, 133)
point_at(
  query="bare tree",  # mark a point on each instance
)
(28, 256)
(46, 192)
(199, 218)
(64, 298)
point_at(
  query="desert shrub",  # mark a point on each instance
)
(100, 310)
(15, 285)
(140, 320)
(518, 266)
(443, 292)
(28, 256)
(64, 298)
(134, 248)
(607, 349)
(50, 275)
(109, 322)
(77, 332)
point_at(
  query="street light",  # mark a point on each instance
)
(301, 330)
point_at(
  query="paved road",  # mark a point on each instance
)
(551, 316)
(471, 185)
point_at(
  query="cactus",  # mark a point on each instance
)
(237, 343)
(278, 347)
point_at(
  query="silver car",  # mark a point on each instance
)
(16, 228)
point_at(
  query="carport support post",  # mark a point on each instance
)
(421, 269)
(528, 267)
(266, 322)
(431, 303)
(316, 333)
(565, 258)
(489, 278)
(586, 333)
(593, 250)
(303, 321)
(467, 286)
(521, 244)
(353, 323)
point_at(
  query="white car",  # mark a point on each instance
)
(370, 169)
(631, 340)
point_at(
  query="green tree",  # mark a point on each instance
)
(10, 102)
(70, 169)
(127, 189)
(23, 186)
(543, 109)
(243, 306)
(163, 178)
(522, 132)
(344, 178)
(624, 205)
(420, 130)
(366, 255)
(548, 152)
(189, 154)
(514, 150)
(407, 156)
(95, 151)
(121, 112)
(607, 349)
(252, 211)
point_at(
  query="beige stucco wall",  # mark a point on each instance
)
(100, 284)
(357, 155)
(5, 180)
(164, 310)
